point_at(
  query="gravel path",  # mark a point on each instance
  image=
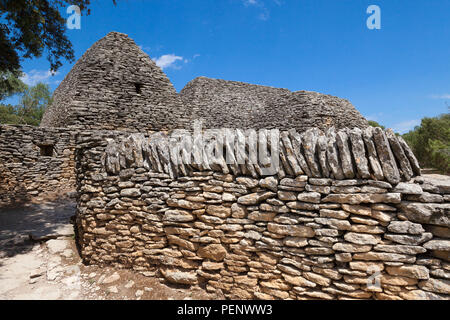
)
(39, 260)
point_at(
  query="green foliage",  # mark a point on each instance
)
(431, 142)
(10, 84)
(33, 26)
(31, 107)
(375, 124)
(8, 114)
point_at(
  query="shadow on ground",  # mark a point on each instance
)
(19, 224)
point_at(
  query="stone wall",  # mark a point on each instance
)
(115, 86)
(233, 104)
(35, 162)
(299, 236)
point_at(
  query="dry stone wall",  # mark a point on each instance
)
(347, 153)
(298, 236)
(35, 162)
(115, 86)
(233, 104)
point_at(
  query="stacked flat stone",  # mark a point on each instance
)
(344, 154)
(297, 237)
(233, 104)
(25, 173)
(115, 86)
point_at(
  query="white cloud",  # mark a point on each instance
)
(405, 126)
(167, 61)
(250, 2)
(34, 76)
(440, 96)
(264, 13)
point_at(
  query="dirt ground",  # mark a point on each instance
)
(39, 260)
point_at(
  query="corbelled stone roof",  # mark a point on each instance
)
(115, 85)
(235, 104)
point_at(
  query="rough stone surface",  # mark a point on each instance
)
(233, 104)
(115, 86)
(342, 204)
(35, 163)
(272, 233)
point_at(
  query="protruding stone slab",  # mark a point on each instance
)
(411, 157)
(385, 156)
(345, 154)
(214, 252)
(255, 198)
(375, 165)
(360, 238)
(409, 239)
(441, 245)
(429, 213)
(333, 155)
(291, 158)
(435, 285)
(178, 216)
(309, 143)
(359, 153)
(408, 188)
(363, 198)
(405, 227)
(399, 154)
(322, 155)
(291, 230)
(179, 277)
(297, 147)
(415, 272)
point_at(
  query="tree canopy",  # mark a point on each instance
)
(32, 27)
(31, 106)
(375, 124)
(10, 84)
(28, 28)
(430, 142)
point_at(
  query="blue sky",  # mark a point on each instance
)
(396, 75)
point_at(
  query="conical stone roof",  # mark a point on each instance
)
(115, 86)
(232, 104)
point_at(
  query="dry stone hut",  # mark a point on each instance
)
(233, 104)
(347, 215)
(115, 86)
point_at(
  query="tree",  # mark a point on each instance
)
(33, 26)
(27, 29)
(10, 84)
(431, 142)
(375, 124)
(8, 115)
(32, 104)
